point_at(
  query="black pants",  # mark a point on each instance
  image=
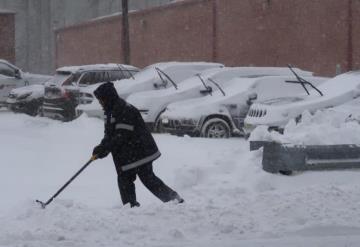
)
(148, 178)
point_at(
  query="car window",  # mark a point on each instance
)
(60, 77)
(7, 70)
(89, 78)
(72, 79)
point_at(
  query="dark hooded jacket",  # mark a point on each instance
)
(126, 135)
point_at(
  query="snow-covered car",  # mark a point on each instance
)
(63, 92)
(222, 115)
(152, 103)
(28, 99)
(153, 77)
(276, 112)
(12, 77)
(328, 126)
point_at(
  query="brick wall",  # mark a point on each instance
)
(7, 36)
(91, 42)
(181, 32)
(356, 34)
(308, 34)
(313, 35)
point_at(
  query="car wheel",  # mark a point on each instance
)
(40, 112)
(216, 128)
(157, 126)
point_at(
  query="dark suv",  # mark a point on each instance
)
(62, 94)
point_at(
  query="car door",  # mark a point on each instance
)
(9, 78)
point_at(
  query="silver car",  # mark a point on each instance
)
(12, 77)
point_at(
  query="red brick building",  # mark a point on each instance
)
(7, 35)
(318, 35)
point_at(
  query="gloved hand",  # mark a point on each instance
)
(99, 152)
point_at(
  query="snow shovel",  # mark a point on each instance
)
(44, 204)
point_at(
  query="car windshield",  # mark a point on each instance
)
(63, 78)
(6, 70)
(145, 74)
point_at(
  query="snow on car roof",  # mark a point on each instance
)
(341, 84)
(347, 83)
(109, 66)
(223, 75)
(149, 73)
(237, 86)
(163, 65)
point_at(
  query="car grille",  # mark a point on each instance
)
(257, 113)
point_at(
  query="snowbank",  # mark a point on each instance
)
(338, 125)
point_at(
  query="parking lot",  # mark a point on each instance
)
(229, 198)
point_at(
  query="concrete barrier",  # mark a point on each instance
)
(286, 158)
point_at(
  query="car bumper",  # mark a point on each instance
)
(248, 128)
(15, 106)
(59, 109)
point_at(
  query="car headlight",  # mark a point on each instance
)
(24, 96)
(12, 96)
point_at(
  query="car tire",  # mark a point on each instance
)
(215, 128)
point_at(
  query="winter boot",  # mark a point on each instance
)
(134, 204)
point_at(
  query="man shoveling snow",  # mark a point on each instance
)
(132, 146)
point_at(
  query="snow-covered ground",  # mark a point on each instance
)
(230, 200)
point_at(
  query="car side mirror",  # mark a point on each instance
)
(17, 74)
(159, 85)
(251, 98)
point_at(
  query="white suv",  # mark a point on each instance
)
(276, 112)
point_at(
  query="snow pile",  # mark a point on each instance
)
(338, 125)
(230, 200)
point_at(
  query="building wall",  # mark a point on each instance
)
(182, 32)
(36, 21)
(318, 35)
(356, 34)
(181, 38)
(91, 42)
(309, 34)
(7, 34)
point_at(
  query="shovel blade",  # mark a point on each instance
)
(43, 205)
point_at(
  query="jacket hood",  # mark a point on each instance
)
(106, 93)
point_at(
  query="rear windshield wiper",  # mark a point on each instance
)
(161, 74)
(217, 84)
(303, 82)
(208, 89)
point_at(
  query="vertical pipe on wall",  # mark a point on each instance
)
(27, 34)
(125, 32)
(214, 30)
(350, 37)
